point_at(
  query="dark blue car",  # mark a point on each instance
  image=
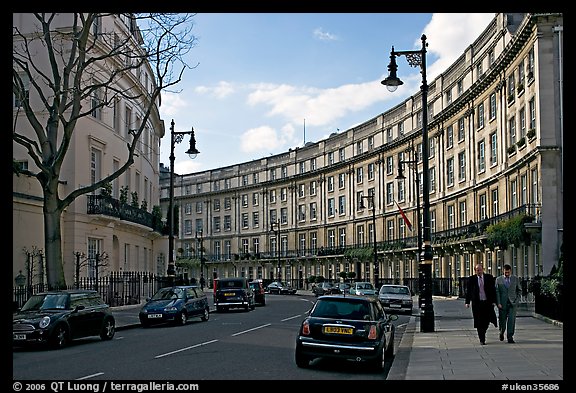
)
(175, 305)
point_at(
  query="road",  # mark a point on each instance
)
(235, 345)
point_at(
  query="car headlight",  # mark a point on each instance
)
(44, 322)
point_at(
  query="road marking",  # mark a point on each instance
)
(89, 376)
(185, 349)
(289, 318)
(249, 330)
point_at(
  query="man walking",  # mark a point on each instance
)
(508, 291)
(481, 291)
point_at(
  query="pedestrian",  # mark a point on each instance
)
(202, 282)
(481, 291)
(508, 292)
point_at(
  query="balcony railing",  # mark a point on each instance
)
(108, 206)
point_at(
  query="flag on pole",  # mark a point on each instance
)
(406, 220)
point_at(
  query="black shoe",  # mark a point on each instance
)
(511, 341)
(501, 336)
(483, 342)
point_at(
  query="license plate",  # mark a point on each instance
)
(154, 315)
(19, 337)
(337, 330)
(396, 305)
(229, 293)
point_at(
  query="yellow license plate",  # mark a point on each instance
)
(337, 330)
(229, 293)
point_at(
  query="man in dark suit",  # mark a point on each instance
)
(481, 291)
(508, 292)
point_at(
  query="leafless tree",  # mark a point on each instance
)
(84, 67)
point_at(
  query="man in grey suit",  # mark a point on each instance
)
(508, 291)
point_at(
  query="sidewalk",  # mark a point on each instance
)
(453, 351)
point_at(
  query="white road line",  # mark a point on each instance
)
(249, 330)
(289, 318)
(185, 349)
(89, 376)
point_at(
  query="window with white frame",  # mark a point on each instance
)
(342, 237)
(450, 214)
(449, 136)
(216, 223)
(359, 148)
(462, 166)
(462, 211)
(255, 198)
(341, 154)
(480, 113)
(312, 210)
(495, 209)
(331, 207)
(255, 219)
(245, 220)
(312, 188)
(450, 171)
(389, 193)
(482, 207)
(284, 215)
(514, 194)
(512, 130)
(341, 180)
(272, 196)
(389, 134)
(359, 174)
(330, 158)
(481, 156)
(342, 205)
(301, 190)
(330, 181)
(492, 106)
(461, 129)
(493, 148)
(371, 171)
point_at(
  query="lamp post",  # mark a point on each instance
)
(201, 240)
(371, 198)
(401, 176)
(176, 137)
(277, 232)
(418, 58)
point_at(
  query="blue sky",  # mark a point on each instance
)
(268, 82)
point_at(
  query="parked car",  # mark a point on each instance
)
(363, 289)
(280, 288)
(343, 287)
(175, 305)
(323, 288)
(346, 327)
(233, 292)
(396, 298)
(57, 317)
(259, 292)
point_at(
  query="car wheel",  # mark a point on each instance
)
(181, 318)
(108, 329)
(59, 337)
(302, 361)
(247, 307)
(206, 315)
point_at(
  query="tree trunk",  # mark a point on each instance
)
(53, 240)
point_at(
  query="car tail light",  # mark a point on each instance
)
(372, 333)
(305, 328)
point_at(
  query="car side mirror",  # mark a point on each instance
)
(79, 308)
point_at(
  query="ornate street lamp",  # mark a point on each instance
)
(176, 137)
(418, 58)
(361, 205)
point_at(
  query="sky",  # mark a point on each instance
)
(265, 83)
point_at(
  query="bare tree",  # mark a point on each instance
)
(84, 68)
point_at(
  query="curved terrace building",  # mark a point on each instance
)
(495, 163)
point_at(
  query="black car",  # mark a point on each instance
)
(259, 292)
(346, 327)
(176, 305)
(233, 292)
(324, 288)
(57, 317)
(280, 288)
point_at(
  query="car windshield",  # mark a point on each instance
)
(340, 309)
(364, 285)
(46, 302)
(169, 294)
(395, 290)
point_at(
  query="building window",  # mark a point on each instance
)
(255, 219)
(359, 174)
(450, 171)
(341, 205)
(512, 130)
(492, 106)
(461, 166)
(341, 180)
(312, 188)
(330, 181)
(371, 171)
(341, 154)
(461, 129)
(389, 135)
(330, 158)
(449, 136)
(331, 207)
(481, 156)
(359, 148)
(312, 210)
(480, 113)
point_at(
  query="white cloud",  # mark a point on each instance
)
(172, 104)
(452, 33)
(222, 90)
(322, 35)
